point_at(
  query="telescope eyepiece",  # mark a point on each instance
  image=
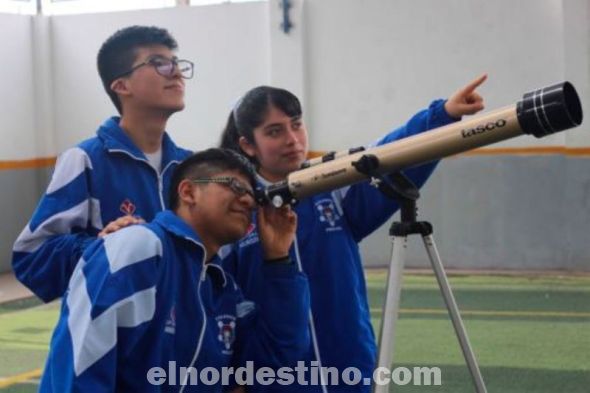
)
(550, 109)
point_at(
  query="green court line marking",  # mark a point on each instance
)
(556, 314)
(6, 382)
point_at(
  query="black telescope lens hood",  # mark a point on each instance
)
(550, 109)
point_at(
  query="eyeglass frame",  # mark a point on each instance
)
(150, 61)
(237, 187)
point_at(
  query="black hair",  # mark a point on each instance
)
(208, 163)
(118, 53)
(250, 112)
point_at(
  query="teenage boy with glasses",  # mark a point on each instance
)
(153, 299)
(118, 177)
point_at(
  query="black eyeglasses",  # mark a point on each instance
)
(165, 67)
(234, 184)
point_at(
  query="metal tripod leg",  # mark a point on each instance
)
(391, 310)
(391, 306)
(460, 331)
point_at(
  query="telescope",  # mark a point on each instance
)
(540, 113)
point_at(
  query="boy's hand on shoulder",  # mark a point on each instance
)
(120, 223)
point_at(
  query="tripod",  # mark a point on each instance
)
(397, 186)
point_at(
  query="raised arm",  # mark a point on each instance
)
(277, 333)
(364, 207)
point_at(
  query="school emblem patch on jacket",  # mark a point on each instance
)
(127, 207)
(250, 238)
(328, 214)
(227, 332)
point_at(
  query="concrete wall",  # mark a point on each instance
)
(374, 63)
(507, 212)
(17, 110)
(361, 68)
(17, 96)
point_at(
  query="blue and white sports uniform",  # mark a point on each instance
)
(94, 183)
(144, 297)
(330, 226)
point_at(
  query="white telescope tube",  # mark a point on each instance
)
(540, 113)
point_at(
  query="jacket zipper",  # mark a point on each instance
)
(314, 337)
(202, 278)
(158, 175)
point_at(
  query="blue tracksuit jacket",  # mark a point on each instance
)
(94, 183)
(144, 297)
(330, 226)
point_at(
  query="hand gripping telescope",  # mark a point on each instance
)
(541, 112)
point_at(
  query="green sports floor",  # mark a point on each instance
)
(529, 333)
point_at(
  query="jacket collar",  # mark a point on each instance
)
(116, 140)
(176, 226)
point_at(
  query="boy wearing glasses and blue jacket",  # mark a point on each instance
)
(120, 176)
(152, 300)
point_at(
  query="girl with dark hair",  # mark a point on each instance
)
(266, 125)
(251, 111)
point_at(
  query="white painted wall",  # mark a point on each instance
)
(372, 64)
(17, 103)
(44, 92)
(361, 67)
(288, 50)
(576, 41)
